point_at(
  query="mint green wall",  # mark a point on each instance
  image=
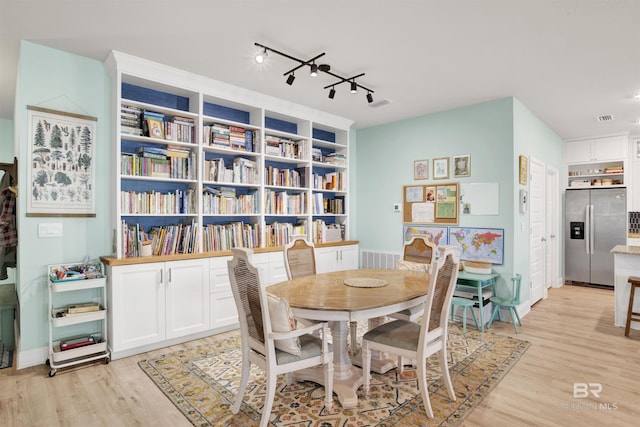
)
(6, 141)
(494, 134)
(60, 81)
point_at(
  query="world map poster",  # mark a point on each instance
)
(485, 244)
(435, 235)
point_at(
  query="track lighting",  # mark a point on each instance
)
(314, 70)
(261, 56)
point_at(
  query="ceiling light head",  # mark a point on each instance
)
(290, 79)
(354, 87)
(369, 97)
(261, 56)
(332, 93)
(314, 70)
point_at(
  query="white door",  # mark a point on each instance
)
(537, 239)
(553, 223)
(187, 303)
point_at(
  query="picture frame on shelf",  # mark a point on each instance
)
(462, 166)
(155, 127)
(441, 168)
(421, 169)
(61, 168)
(524, 169)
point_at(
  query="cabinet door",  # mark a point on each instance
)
(277, 271)
(137, 305)
(326, 260)
(578, 151)
(348, 257)
(187, 303)
(613, 148)
(222, 305)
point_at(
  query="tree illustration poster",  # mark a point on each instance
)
(61, 172)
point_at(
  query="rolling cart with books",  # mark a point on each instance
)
(73, 283)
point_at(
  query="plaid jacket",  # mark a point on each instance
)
(8, 231)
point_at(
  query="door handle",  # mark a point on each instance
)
(543, 239)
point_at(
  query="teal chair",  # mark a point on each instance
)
(510, 303)
(464, 303)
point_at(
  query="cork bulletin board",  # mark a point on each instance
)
(431, 203)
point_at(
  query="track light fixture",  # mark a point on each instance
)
(314, 70)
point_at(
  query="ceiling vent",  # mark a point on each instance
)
(379, 103)
(605, 118)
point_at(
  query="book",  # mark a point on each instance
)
(83, 308)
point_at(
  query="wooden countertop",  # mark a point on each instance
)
(634, 235)
(625, 249)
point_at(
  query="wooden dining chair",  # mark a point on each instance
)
(418, 341)
(269, 338)
(300, 261)
(418, 255)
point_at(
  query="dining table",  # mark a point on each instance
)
(341, 297)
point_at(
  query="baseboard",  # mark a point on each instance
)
(29, 358)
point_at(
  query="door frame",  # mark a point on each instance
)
(533, 241)
(553, 277)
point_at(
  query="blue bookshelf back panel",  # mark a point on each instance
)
(227, 113)
(323, 135)
(281, 125)
(158, 186)
(218, 220)
(156, 97)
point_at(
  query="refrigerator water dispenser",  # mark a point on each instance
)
(577, 230)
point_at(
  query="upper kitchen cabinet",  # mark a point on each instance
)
(597, 161)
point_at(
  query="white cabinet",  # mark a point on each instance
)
(223, 306)
(336, 258)
(597, 162)
(158, 301)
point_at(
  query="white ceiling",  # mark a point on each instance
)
(567, 61)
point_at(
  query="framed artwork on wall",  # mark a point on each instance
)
(421, 169)
(461, 166)
(61, 169)
(524, 169)
(441, 168)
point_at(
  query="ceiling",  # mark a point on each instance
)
(567, 61)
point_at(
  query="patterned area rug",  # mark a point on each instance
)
(6, 357)
(202, 383)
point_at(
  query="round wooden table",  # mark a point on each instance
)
(326, 297)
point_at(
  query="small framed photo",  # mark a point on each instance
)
(524, 169)
(441, 168)
(155, 128)
(461, 166)
(421, 169)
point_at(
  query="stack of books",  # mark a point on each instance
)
(130, 119)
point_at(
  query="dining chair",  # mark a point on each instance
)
(511, 303)
(418, 255)
(269, 338)
(418, 341)
(300, 261)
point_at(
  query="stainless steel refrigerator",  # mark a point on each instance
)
(595, 222)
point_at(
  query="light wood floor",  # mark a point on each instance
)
(573, 341)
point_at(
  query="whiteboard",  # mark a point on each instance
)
(480, 198)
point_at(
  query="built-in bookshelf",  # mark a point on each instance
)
(202, 166)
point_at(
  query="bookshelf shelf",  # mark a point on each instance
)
(247, 160)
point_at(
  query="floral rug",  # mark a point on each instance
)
(202, 382)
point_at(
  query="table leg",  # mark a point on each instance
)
(346, 377)
(481, 306)
(380, 362)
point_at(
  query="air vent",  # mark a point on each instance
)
(379, 103)
(605, 118)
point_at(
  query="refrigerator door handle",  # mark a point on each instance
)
(587, 231)
(591, 230)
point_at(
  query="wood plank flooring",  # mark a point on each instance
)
(573, 341)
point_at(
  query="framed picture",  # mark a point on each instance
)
(461, 166)
(155, 128)
(441, 168)
(524, 169)
(61, 174)
(421, 169)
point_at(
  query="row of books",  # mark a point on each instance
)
(330, 181)
(283, 203)
(280, 233)
(223, 237)
(172, 167)
(284, 177)
(156, 203)
(241, 171)
(323, 205)
(284, 147)
(154, 124)
(230, 136)
(225, 201)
